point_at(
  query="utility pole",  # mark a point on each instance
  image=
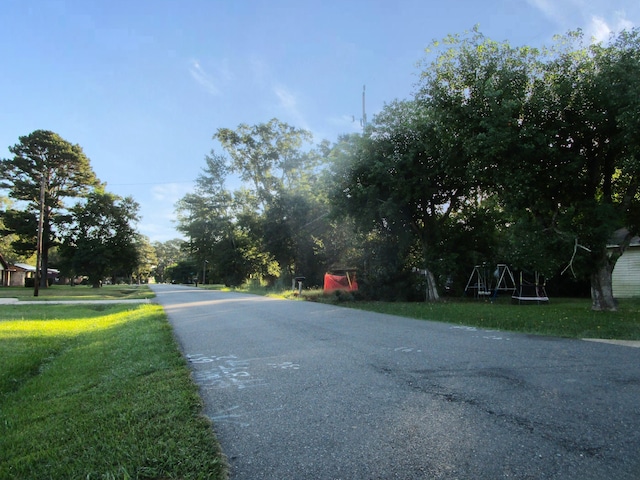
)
(204, 271)
(38, 273)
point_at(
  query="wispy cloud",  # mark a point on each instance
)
(598, 18)
(600, 29)
(278, 96)
(288, 102)
(549, 8)
(170, 193)
(204, 79)
(287, 99)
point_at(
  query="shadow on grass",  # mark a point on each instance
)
(107, 396)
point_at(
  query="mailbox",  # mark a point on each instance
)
(298, 282)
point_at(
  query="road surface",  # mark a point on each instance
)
(299, 390)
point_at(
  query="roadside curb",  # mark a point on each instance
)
(624, 343)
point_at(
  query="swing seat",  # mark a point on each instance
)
(530, 294)
(530, 299)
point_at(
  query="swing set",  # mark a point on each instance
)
(486, 282)
(531, 291)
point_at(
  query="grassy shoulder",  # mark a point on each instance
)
(561, 317)
(79, 292)
(572, 318)
(99, 391)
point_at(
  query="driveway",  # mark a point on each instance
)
(299, 390)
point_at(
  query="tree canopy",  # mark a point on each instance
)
(264, 228)
(268, 155)
(100, 241)
(551, 132)
(56, 194)
(46, 166)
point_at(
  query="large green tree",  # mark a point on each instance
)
(264, 228)
(44, 166)
(554, 133)
(208, 217)
(407, 181)
(168, 254)
(8, 236)
(147, 259)
(267, 155)
(100, 240)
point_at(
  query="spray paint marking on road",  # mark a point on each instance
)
(468, 329)
(406, 349)
(235, 416)
(485, 337)
(223, 372)
(284, 365)
(227, 417)
(494, 337)
(199, 358)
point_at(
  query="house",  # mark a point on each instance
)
(24, 271)
(5, 272)
(626, 274)
(21, 271)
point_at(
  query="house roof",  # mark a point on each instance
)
(30, 268)
(25, 266)
(618, 237)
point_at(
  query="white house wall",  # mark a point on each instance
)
(626, 274)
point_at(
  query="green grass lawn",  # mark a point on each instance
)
(79, 292)
(562, 317)
(99, 392)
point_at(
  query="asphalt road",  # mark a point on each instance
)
(299, 390)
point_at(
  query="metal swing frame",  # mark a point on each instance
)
(481, 281)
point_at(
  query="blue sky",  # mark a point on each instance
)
(143, 85)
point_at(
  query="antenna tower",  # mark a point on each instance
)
(364, 113)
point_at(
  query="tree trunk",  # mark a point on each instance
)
(602, 287)
(432, 288)
(44, 268)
